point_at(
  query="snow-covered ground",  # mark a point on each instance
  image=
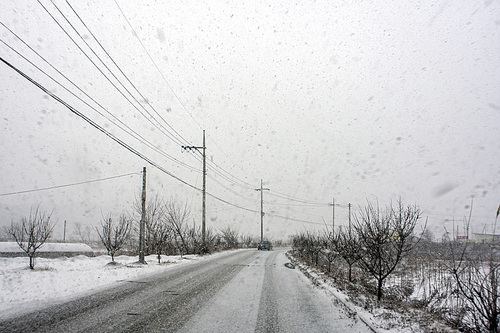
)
(379, 319)
(58, 280)
(13, 247)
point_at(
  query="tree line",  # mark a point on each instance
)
(167, 232)
(456, 280)
(376, 242)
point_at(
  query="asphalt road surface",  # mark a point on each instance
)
(239, 291)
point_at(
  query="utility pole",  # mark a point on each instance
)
(349, 205)
(64, 234)
(142, 227)
(261, 189)
(495, 226)
(203, 216)
(333, 216)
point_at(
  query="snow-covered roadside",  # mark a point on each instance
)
(379, 319)
(57, 280)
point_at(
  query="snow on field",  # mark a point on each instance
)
(12, 247)
(58, 280)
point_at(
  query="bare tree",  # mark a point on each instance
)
(478, 282)
(213, 241)
(330, 248)
(476, 270)
(427, 236)
(31, 233)
(83, 233)
(114, 236)
(177, 215)
(308, 245)
(347, 246)
(300, 244)
(315, 247)
(230, 238)
(247, 240)
(384, 238)
(155, 215)
(161, 232)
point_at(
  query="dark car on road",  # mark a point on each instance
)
(265, 245)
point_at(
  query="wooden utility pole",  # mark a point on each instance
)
(64, 233)
(203, 218)
(333, 216)
(142, 226)
(349, 205)
(202, 150)
(261, 189)
(495, 226)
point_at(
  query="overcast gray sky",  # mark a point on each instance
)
(352, 100)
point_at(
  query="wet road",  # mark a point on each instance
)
(240, 291)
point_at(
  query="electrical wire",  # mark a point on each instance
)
(168, 135)
(68, 185)
(94, 124)
(245, 185)
(129, 148)
(121, 71)
(154, 63)
(231, 190)
(293, 219)
(135, 135)
(301, 213)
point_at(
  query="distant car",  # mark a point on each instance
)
(265, 245)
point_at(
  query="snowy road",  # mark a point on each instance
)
(240, 291)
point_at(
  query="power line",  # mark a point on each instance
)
(284, 196)
(168, 135)
(246, 185)
(125, 145)
(293, 219)
(68, 185)
(317, 205)
(154, 63)
(302, 213)
(126, 77)
(118, 67)
(94, 124)
(213, 196)
(230, 190)
(135, 135)
(111, 136)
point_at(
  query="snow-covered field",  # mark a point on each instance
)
(12, 247)
(58, 280)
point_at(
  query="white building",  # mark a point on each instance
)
(485, 238)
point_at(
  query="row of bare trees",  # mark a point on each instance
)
(476, 272)
(458, 280)
(377, 241)
(166, 232)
